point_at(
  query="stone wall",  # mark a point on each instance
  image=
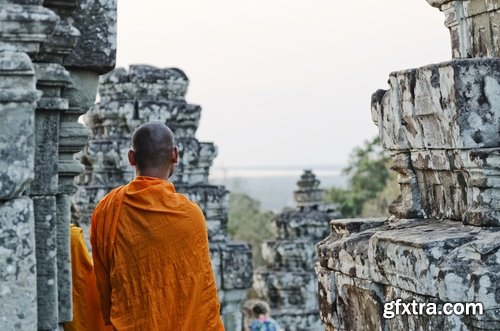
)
(50, 62)
(145, 93)
(441, 123)
(288, 282)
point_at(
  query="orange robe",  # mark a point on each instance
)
(87, 315)
(152, 260)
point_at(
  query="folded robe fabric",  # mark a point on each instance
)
(87, 314)
(152, 260)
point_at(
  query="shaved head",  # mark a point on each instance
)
(153, 146)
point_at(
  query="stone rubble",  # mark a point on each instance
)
(129, 99)
(441, 243)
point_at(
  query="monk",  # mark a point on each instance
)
(150, 247)
(87, 315)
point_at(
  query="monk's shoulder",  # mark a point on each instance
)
(108, 198)
(192, 207)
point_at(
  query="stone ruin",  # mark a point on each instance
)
(51, 55)
(441, 122)
(129, 99)
(288, 282)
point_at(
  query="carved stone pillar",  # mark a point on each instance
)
(24, 25)
(35, 287)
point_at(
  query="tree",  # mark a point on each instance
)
(247, 222)
(369, 174)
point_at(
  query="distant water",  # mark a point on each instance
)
(273, 187)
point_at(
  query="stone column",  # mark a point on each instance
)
(52, 77)
(146, 93)
(24, 25)
(441, 243)
(38, 46)
(288, 282)
(94, 54)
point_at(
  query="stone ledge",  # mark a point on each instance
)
(434, 258)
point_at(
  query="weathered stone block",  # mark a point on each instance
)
(473, 26)
(471, 274)
(46, 257)
(17, 123)
(290, 255)
(236, 265)
(286, 290)
(96, 48)
(157, 83)
(327, 295)
(409, 255)
(64, 285)
(25, 26)
(18, 297)
(359, 303)
(420, 322)
(302, 224)
(81, 93)
(46, 152)
(448, 105)
(346, 249)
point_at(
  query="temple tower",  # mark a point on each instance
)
(288, 282)
(441, 123)
(50, 62)
(139, 95)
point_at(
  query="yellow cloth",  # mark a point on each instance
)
(152, 260)
(87, 315)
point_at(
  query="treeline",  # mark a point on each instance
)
(371, 185)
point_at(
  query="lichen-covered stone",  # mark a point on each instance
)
(63, 236)
(96, 47)
(450, 105)
(24, 26)
(37, 147)
(17, 123)
(473, 26)
(440, 245)
(17, 265)
(46, 259)
(444, 135)
(236, 265)
(424, 260)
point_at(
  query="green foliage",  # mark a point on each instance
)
(378, 205)
(247, 222)
(369, 174)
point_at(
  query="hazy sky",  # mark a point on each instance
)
(283, 82)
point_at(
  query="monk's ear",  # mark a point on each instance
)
(174, 158)
(131, 158)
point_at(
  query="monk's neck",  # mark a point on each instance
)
(156, 174)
